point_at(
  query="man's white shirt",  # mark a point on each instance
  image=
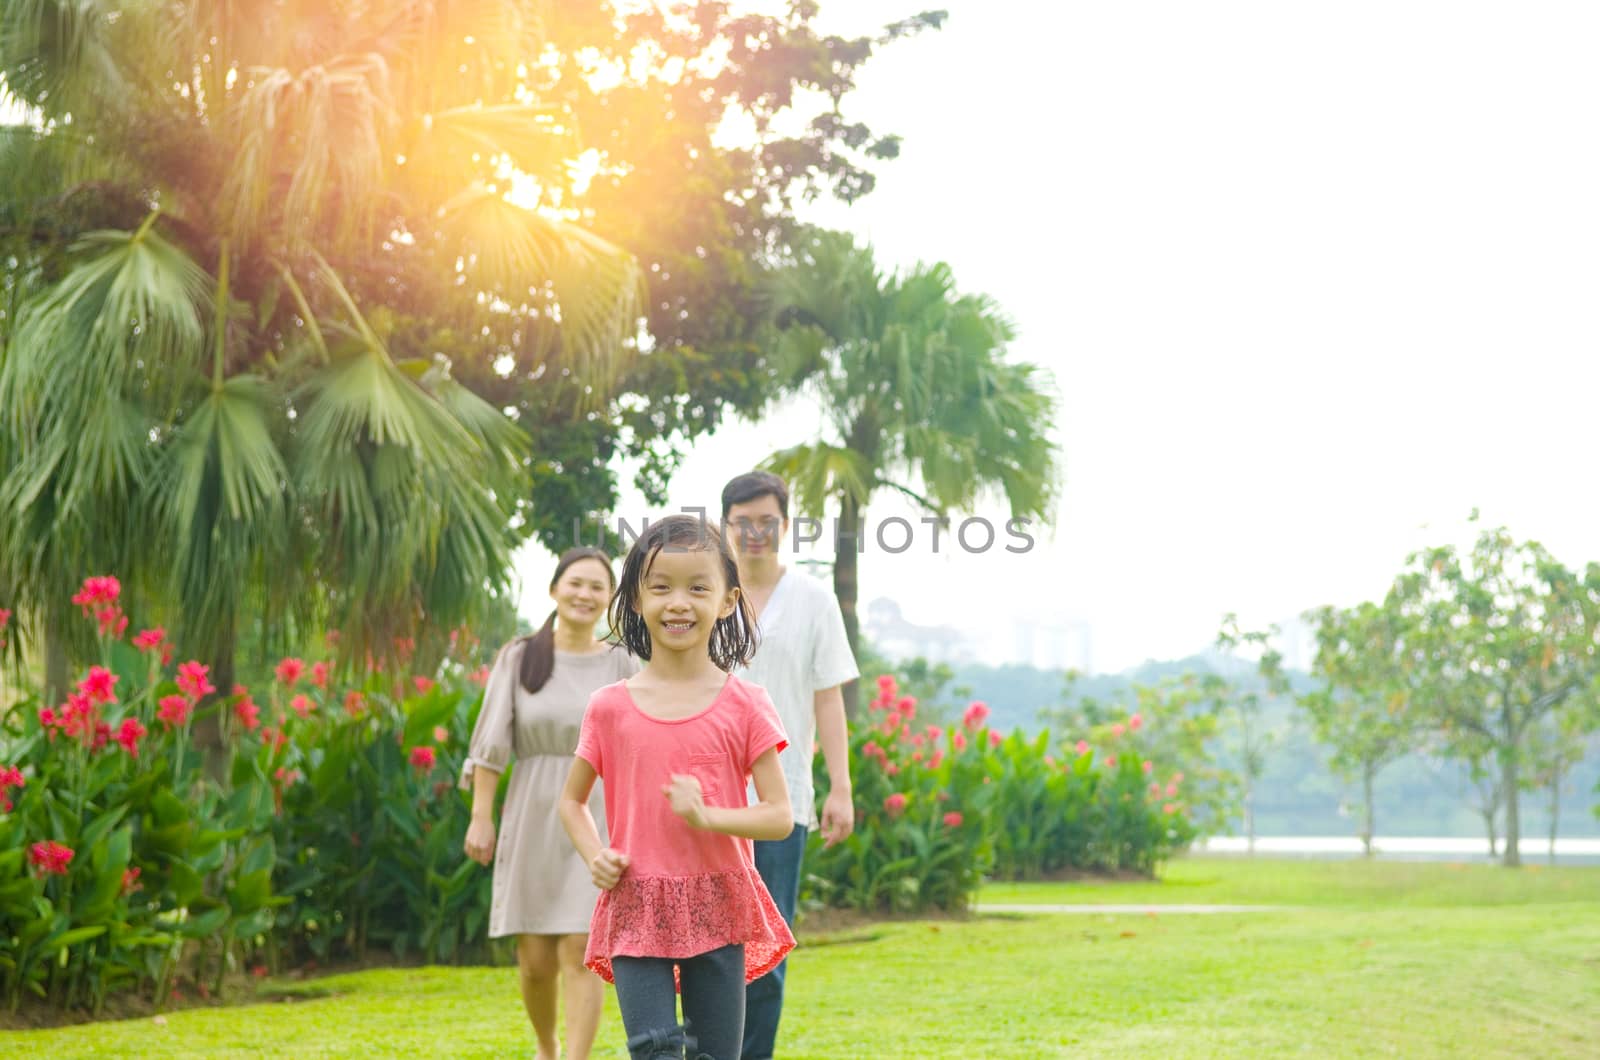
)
(802, 649)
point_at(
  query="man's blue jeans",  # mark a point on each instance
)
(778, 862)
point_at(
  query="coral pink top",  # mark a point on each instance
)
(686, 891)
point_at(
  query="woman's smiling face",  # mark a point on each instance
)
(581, 592)
(681, 597)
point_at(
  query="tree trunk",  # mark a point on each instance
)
(55, 668)
(1367, 812)
(845, 558)
(1508, 793)
(1250, 820)
(1555, 813)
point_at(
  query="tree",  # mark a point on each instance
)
(231, 380)
(654, 93)
(1243, 708)
(1497, 642)
(1558, 743)
(918, 393)
(1362, 711)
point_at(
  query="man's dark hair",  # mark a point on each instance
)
(753, 485)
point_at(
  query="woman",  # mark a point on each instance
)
(533, 706)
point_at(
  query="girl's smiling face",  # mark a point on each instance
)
(681, 597)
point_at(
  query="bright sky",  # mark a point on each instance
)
(1314, 281)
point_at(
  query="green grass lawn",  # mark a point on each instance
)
(1453, 962)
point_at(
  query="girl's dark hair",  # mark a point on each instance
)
(733, 639)
(539, 648)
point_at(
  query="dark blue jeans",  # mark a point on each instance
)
(713, 1004)
(778, 862)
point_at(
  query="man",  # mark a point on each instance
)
(802, 659)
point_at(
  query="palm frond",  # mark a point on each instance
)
(818, 472)
(56, 55)
(128, 316)
(598, 288)
(311, 148)
(218, 496)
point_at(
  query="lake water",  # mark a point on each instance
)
(1576, 851)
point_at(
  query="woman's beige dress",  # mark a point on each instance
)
(541, 885)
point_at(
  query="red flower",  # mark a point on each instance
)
(248, 713)
(936, 759)
(907, 706)
(1148, 765)
(916, 756)
(441, 734)
(194, 680)
(1117, 729)
(50, 857)
(935, 733)
(892, 722)
(1135, 723)
(1155, 789)
(150, 639)
(890, 769)
(97, 591)
(423, 759)
(259, 971)
(958, 740)
(424, 684)
(1170, 808)
(129, 735)
(976, 714)
(102, 734)
(130, 881)
(173, 710)
(994, 738)
(1111, 761)
(301, 706)
(895, 804)
(5, 617)
(319, 674)
(1083, 747)
(1177, 778)
(887, 685)
(286, 776)
(111, 620)
(480, 676)
(47, 716)
(405, 647)
(10, 777)
(953, 819)
(353, 704)
(1172, 790)
(289, 671)
(100, 685)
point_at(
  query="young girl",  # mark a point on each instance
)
(681, 901)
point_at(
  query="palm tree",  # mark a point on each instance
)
(245, 239)
(915, 384)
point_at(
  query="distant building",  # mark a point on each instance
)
(1059, 645)
(899, 639)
